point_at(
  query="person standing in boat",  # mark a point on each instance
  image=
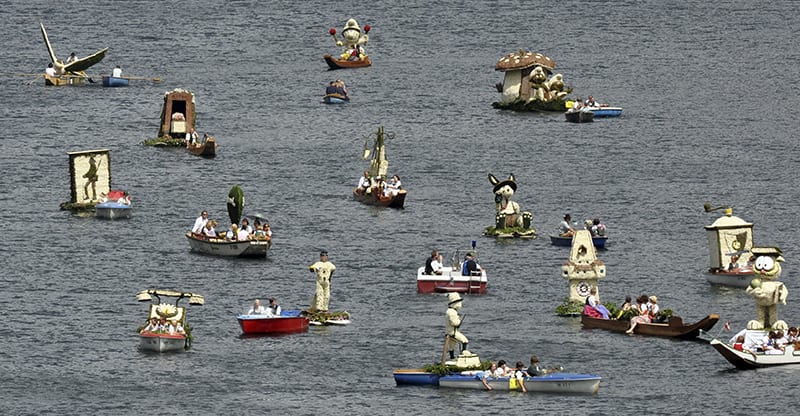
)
(433, 265)
(50, 71)
(200, 223)
(453, 323)
(116, 72)
(470, 267)
(191, 137)
(324, 271)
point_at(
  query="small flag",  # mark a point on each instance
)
(728, 326)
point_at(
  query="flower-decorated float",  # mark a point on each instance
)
(529, 83)
(762, 343)
(90, 179)
(583, 270)
(373, 189)
(509, 220)
(73, 72)
(166, 328)
(467, 371)
(730, 239)
(177, 128)
(352, 43)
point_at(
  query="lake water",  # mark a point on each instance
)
(707, 90)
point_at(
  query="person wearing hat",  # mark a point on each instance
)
(324, 270)
(652, 306)
(453, 323)
(469, 267)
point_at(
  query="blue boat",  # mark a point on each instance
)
(598, 241)
(607, 111)
(115, 81)
(550, 383)
(112, 210)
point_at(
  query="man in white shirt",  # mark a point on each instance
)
(200, 223)
(50, 71)
(116, 72)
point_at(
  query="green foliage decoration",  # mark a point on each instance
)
(441, 369)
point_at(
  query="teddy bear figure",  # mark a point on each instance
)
(765, 288)
(353, 40)
(508, 212)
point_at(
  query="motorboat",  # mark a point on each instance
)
(154, 335)
(289, 321)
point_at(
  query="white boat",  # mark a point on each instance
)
(112, 210)
(450, 281)
(746, 360)
(550, 383)
(226, 248)
(157, 338)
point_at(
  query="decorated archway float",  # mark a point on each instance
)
(529, 83)
(730, 240)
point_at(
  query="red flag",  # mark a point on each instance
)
(728, 326)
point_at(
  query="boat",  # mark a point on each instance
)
(335, 99)
(153, 337)
(580, 116)
(378, 168)
(747, 360)
(117, 204)
(335, 63)
(674, 328)
(227, 248)
(599, 241)
(61, 80)
(549, 383)
(730, 241)
(109, 81)
(452, 278)
(606, 111)
(289, 321)
(207, 149)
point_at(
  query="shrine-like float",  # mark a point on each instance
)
(730, 239)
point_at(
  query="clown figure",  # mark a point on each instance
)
(324, 270)
(453, 321)
(765, 288)
(353, 40)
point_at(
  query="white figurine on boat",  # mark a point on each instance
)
(510, 220)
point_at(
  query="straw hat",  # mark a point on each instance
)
(653, 299)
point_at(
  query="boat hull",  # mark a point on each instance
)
(330, 99)
(607, 111)
(112, 211)
(161, 342)
(372, 198)
(550, 383)
(415, 377)
(289, 322)
(115, 82)
(60, 81)
(450, 281)
(739, 278)
(745, 360)
(598, 241)
(218, 247)
(207, 149)
(674, 329)
(334, 63)
(579, 116)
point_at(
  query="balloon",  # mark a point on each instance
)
(367, 28)
(332, 31)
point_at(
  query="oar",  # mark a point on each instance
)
(156, 79)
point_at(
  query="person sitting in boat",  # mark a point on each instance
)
(331, 88)
(162, 325)
(653, 308)
(519, 374)
(739, 344)
(593, 308)
(200, 223)
(469, 267)
(341, 89)
(116, 72)
(363, 183)
(565, 228)
(209, 231)
(50, 71)
(394, 185)
(179, 328)
(598, 229)
(380, 185)
(191, 137)
(591, 103)
(488, 374)
(734, 264)
(626, 306)
(152, 326)
(257, 308)
(433, 265)
(273, 308)
(171, 327)
(246, 226)
(241, 233)
(502, 369)
(263, 232)
(72, 58)
(791, 335)
(535, 369)
(644, 314)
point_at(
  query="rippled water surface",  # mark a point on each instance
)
(702, 84)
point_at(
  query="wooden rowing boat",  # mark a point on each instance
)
(206, 149)
(675, 328)
(334, 63)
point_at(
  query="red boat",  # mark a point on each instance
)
(334, 63)
(289, 321)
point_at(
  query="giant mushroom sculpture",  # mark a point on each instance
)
(518, 67)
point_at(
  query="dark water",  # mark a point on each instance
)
(702, 85)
